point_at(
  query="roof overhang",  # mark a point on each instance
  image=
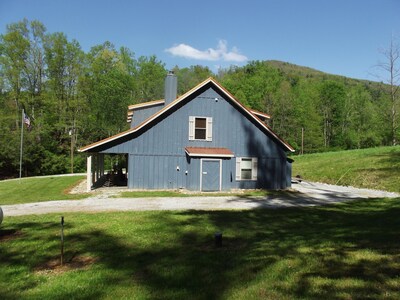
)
(208, 152)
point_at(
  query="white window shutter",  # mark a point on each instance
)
(191, 128)
(209, 129)
(238, 173)
(254, 168)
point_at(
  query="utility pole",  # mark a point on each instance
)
(21, 145)
(71, 133)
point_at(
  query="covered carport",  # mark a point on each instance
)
(98, 174)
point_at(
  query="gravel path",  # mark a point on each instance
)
(303, 194)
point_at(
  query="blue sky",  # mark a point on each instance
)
(341, 37)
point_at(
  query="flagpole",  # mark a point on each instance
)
(22, 141)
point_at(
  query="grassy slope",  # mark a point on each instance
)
(38, 189)
(347, 251)
(377, 168)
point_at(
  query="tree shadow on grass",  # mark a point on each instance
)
(351, 244)
(349, 250)
(254, 241)
(280, 199)
(13, 261)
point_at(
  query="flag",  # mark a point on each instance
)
(27, 121)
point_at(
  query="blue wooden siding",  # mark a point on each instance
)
(155, 153)
(141, 114)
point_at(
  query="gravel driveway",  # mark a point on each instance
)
(303, 194)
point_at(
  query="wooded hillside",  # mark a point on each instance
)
(73, 97)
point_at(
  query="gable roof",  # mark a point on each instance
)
(178, 100)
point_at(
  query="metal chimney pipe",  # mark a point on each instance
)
(171, 87)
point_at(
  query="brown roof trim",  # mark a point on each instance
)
(260, 114)
(208, 152)
(178, 100)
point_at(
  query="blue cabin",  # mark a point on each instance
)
(204, 140)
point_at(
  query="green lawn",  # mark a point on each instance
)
(346, 251)
(38, 189)
(376, 168)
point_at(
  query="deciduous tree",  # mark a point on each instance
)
(391, 66)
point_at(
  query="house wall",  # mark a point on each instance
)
(155, 153)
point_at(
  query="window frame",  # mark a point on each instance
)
(200, 130)
(208, 129)
(254, 168)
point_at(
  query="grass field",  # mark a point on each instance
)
(38, 189)
(347, 251)
(376, 168)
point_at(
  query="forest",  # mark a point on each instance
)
(73, 98)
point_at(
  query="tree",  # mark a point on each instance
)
(190, 77)
(14, 51)
(307, 116)
(332, 97)
(360, 119)
(107, 87)
(149, 78)
(23, 67)
(391, 65)
(65, 67)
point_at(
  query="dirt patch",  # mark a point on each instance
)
(79, 188)
(9, 234)
(54, 267)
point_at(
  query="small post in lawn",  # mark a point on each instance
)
(62, 240)
(218, 239)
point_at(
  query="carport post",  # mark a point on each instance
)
(102, 165)
(88, 173)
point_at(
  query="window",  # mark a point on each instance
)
(246, 168)
(200, 128)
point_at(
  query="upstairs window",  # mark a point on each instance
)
(246, 168)
(200, 128)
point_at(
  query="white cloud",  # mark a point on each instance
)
(220, 53)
